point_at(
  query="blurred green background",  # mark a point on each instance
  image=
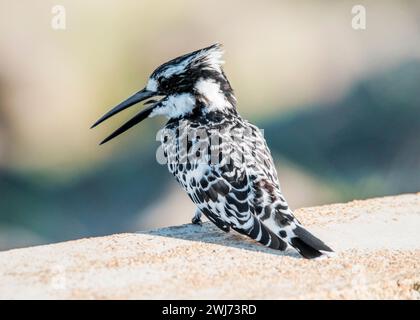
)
(340, 107)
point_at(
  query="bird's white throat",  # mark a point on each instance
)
(175, 106)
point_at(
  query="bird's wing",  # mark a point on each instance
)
(225, 192)
(271, 207)
(242, 192)
(224, 195)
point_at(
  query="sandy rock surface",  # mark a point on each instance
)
(377, 243)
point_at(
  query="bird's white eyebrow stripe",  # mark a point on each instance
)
(152, 85)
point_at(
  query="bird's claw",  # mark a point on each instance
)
(196, 221)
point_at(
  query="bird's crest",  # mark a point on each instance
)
(206, 58)
(210, 56)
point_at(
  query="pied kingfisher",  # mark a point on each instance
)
(221, 160)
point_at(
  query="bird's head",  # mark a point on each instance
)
(193, 83)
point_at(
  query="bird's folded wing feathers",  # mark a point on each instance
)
(226, 197)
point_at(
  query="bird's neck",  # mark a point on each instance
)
(214, 94)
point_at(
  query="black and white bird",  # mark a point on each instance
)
(220, 159)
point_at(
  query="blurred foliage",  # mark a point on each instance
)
(370, 139)
(105, 200)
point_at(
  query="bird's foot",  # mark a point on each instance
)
(196, 220)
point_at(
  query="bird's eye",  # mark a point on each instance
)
(164, 84)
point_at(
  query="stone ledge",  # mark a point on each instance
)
(378, 256)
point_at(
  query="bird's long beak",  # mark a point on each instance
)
(134, 99)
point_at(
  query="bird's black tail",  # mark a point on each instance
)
(263, 235)
(307, 244)
(281, 238)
